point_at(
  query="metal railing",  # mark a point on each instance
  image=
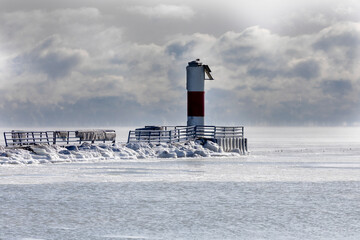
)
(171, 134)
(219, 132)
(175, 134)
(15, 138)
(168, 134)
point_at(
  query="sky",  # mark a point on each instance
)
(122, 62)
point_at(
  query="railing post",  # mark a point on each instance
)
(32, 133)
(54, 138)
(20, 137)
(6, 144)
(47, 138)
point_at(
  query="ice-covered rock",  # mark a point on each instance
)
(201, 153)
(212, 146)
(72, 148)
(133, 146)
(180, 153)
(65, 151)
(167, 154)
(40, 150)
(90, 152)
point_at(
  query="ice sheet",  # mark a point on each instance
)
(304, 188)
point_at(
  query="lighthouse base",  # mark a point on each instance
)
(195, 121)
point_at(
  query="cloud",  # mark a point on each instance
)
(164, 11)
(307, 69)
(51, 58)
(285, 81)
(178, 49)
(96, 111)
(340, 43)
(80, 65)
(337, 88)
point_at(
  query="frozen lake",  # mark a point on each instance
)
(297, 183)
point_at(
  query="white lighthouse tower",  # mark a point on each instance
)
(195, 82)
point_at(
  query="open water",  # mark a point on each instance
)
(297, 183)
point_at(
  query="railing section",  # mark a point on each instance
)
(175, 134)
(219, 132)
(169, 134)
(184, 133)
(45, 137)
(25, 138)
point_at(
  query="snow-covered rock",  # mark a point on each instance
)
(212, 146)
(167, 154)
(90, 152)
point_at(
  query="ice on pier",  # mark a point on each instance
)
(92, 135)
(107, 151)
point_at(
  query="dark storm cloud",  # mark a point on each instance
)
(178, 49)
(49, 58)
(337, 88)
(306, 69)
(349, 40)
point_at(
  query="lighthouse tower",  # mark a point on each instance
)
(195, 82)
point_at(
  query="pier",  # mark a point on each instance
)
(228, 138)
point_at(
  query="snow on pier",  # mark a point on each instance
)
(26, 147)
(228, 138)
(44, 153)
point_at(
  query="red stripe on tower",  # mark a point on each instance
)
(196, 104)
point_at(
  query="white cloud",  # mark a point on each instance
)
(66, 58)
(164, 11)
